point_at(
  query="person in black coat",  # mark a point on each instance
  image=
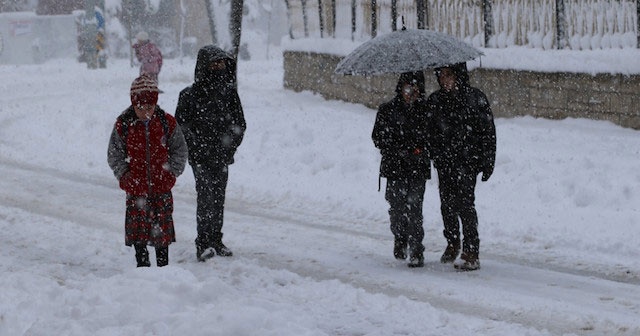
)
(464, 145)
(212, 120)
(400, 133)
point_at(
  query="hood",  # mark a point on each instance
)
(461, 72)
(416, 77)
(206, 77)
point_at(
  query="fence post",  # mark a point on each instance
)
(560, 24)
(421, 12)
(394, 15)
(353, 19)
(304, 17)
(320, 18)
(638, 21)
(374, 19)
(333, 18)
(488, 21)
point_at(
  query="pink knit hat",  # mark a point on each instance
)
(144, 91)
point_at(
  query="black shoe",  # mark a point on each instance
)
(416, 261)
(222, 250)
(162, 256)
(219, 247)
(204, 253)
(142, 255)
(468, 262)
(450, 253)
(400, 249)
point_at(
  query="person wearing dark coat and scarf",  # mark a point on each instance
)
(147, 151)
(401, 134)
(211, 117)
(464, 145)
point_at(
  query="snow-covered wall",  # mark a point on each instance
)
(27, 38)
(553, 95)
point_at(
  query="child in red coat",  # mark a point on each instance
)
(147, 152)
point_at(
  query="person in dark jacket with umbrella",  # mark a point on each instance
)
(401, 134)
(211, 117)
(464, 145)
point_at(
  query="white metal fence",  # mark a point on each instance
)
(586, 24)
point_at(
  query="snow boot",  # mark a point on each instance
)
(416, 260)
(400, 249)
(450, 253)
(219, 247)
(142, 255)
(162, 256)
(204, 253)
(469, 261)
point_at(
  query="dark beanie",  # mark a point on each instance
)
(144, 91)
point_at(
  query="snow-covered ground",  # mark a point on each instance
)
(559, 221)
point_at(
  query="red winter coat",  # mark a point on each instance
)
(150, 58)
(147, 157)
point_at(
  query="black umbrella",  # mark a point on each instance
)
(406, 50)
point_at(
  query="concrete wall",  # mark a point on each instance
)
(615, 98)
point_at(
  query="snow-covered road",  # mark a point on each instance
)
(309, 230)
(318, 247)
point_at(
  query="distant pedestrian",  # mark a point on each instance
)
(147, 152)
(464, 143)
(148, 55)
(401, 134)
(211, 117)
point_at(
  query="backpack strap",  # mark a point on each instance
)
(164, 122)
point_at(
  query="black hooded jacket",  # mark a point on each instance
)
(401, 133)
(464, 133)
(209, 111)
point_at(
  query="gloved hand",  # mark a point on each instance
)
(403, 154)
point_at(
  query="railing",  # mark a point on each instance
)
(546, 24)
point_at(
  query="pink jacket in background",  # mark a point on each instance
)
(150, 58)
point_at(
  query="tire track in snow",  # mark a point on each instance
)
(443, 288)
(43, 182)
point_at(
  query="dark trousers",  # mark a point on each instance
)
(405, 197)
(457, 198)
(211, 186)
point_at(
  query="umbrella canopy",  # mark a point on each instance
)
(404, 51)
